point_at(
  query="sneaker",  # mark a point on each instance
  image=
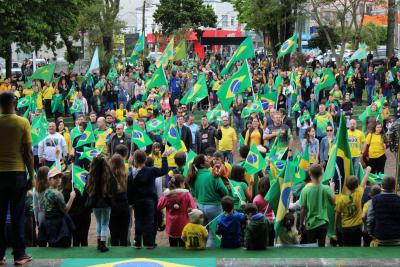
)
(3, 261)
(137, 247)
(23, 260)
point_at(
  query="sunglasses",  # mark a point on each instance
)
(329, 130)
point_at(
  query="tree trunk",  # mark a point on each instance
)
(8, 59)
(390, 28)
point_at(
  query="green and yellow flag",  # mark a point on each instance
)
(244, 51)
(197, 93)
(167, 55)
(288, 47)
(44, 73)
(284, 198)
(90, 153)
(79, 177)
(76, 106)
(155, 124)
(86, 137)
(327, 80)
(214, 114)
(254, 161)
(24, 102)
(189, 159)
(171, 135)
(139, 137)
(157, 79)
(304, 163)
(39, 130)
(236, 84)
(180, 51)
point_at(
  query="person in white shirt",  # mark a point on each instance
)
(85, 107)
(53, 147)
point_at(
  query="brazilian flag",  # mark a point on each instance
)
(86, 137)
(79, 177)
(76, 106)
(254, 161)
(214, 114)
(139, 137)
(304, 163)
(299, 175)
(189, 159)
(277, 167)
(156, 124)
(372, 178)
(197, 93)
(171, 135)
(284, 198)
(244, 51)
(289, 46)
(24, 102)
(90, 153)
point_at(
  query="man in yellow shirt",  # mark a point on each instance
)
(15, 156)
(356, 140)
(227, 144)
(6, 86)
(101, 134)
(349, 210)
(48, 92)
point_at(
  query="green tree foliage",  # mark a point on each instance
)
(33, 23)
(320, 40)
(373, 35)
(174, 15)
(274, 19)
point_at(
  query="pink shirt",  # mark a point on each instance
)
(177, 202)
(264, 208)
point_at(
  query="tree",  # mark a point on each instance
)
(174, 15)
(373, 35)
(99, 20)
(274, 19)
(33, 23)
(321, 41)
(390, 28)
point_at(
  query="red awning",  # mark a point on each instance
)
(150, 38)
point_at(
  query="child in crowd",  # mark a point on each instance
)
(157, 159)
(375, 190)
(228, 224)
(257, 230)
(264, 207)
(240, 191)
(194, 234)
(38, 195)
(288, 234)
(349, 211)
(314, 206)
(179, 162)
(177, 200)
(57, 227)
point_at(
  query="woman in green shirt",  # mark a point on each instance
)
(207, 191)
(57, 104)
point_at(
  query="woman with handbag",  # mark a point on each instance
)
(374, 149)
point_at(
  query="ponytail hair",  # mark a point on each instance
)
(176, 181)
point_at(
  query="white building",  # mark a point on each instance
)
(131, 11)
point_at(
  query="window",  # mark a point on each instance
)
(224, 19)
(232, 21)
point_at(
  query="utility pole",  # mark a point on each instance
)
(143, 15)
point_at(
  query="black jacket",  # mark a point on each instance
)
(115, 140)
(186, 136)
(205, 137)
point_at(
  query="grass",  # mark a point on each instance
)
(167, 252)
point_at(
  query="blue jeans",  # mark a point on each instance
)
(13, 195)
(228, 156)
(209, 213)
(370, 92)
(102, 221)
(356, 162)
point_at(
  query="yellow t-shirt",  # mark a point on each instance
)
(101, 136)
(355, 138)
(228, 136)
(349, 207)
(195, 235)
(14, 132)
(39, 103)
(142, 112)
(255, 137)
(157, 160)
(5, 87)
(48, 93)
(366, 207)
(67, 138)
(375, 143)
(27, 91)
(170, 157)
(119, 114)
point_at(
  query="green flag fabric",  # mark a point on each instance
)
(86, 137)
(284, 198)
(236, 84)
(155, 124)
(214, 114)
(79, 177)
(139, 137)
(167, 55)
(157, 79)
(360, 53)
(189, 159)
(171, 135)
(90, 153)
(180, 51)
(244, 51)
(39, 130)
(254, 161)
(44, 73)
(24, 102)
(197, 93)
(327, 80)
(76, 106)
(288, 47)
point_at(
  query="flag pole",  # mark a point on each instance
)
(72, 177)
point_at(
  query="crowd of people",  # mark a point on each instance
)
(210, 200)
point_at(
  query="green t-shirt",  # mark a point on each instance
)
(53, 203)
(316, 199)
(208, 190)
